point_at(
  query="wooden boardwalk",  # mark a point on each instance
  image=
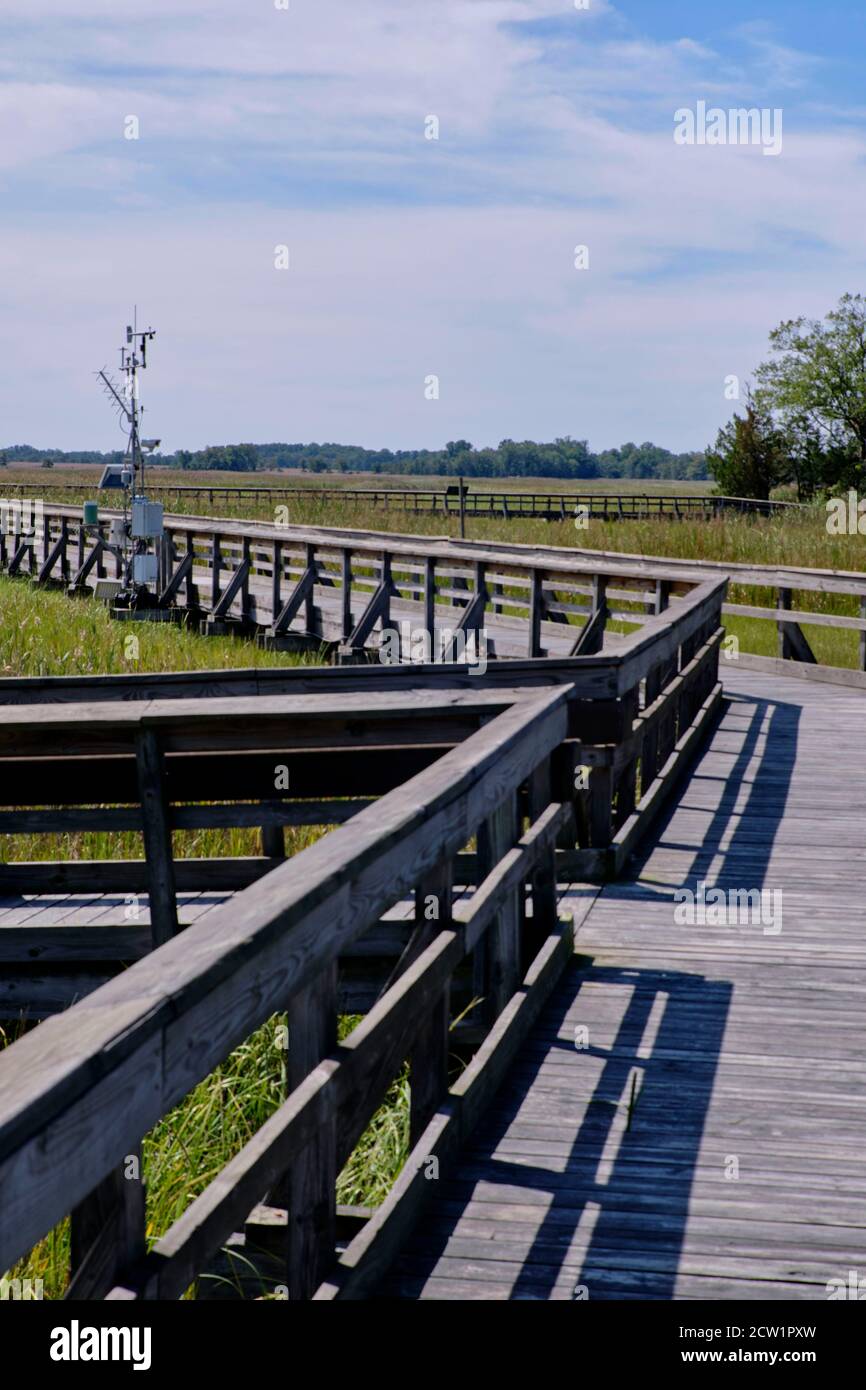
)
(648, 1106)
(739, 1171)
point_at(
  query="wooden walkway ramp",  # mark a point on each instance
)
(738, 1172)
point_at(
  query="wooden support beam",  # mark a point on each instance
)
(181, 573)
(536, 612)
(662, 596)
(346, 593)
(157, 837)
(236, 585)
(87, 564)
(378, 607)
(309, 600)
(57, 551)
(627, 782)
(311, 1185)
(273, 840)
(292, 606)
(472, 620)
(428, 1057)
(544, 912)
(430, 596)
(793, 646)
(276, 580)
(496, 836)
(17, 556)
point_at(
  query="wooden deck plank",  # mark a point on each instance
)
(738, 1173)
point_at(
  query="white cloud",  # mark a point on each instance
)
(452, 257)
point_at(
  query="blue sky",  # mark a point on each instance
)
(412, 257)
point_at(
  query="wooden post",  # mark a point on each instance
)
(245, 586)
(310, 600)
(387, 581)
(496, 836)
(215, 570)
(601, 807)
(536, 611)
(784, 604)
(157, 837)
(188, 550)
(625, 792)
(428, 1057)
(273, 841)
(649, 763)
(277, 581)
(430, 598)
(544, 913)
(311, 1185)
(346, 578)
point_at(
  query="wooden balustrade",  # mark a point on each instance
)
(477, 502)
(477, 804)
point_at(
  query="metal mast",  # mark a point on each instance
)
(132, 538)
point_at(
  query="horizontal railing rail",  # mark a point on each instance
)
(479, 502)
(127, 1054)
(305, 587)
(338, 589)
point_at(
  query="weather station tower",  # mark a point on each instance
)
(135, 537)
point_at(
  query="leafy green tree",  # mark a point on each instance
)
(815, 388)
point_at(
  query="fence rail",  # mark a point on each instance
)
(338, 591)
(496, 503)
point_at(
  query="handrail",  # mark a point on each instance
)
(125, 1051)
(307, 585)
(78, 1093)
(545, 503)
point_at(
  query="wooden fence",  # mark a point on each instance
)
(485, 827)
(480, 503)
(337, 591)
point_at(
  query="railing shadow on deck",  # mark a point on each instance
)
(669, 1033)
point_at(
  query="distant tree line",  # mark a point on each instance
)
(804, 421)
(563, 458)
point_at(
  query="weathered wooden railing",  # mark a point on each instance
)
(340, 590)
(166, 766)
(78, 1093)
(478, 501)
(783, 581)
(308, 587)
(500, 815)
